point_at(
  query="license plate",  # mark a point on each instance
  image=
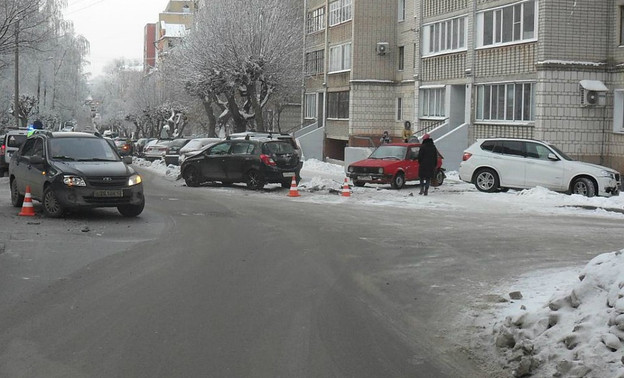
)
(288, 174)
(365, 178)
(108, 193)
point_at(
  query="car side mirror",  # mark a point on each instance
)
(127, 159)
(552, 157)
(36, 160)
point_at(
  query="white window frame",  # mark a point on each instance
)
(340, 11)
(310, 105)
(340, 58)
(493, 102)
(445, 36)
(433, 102)
(618, 111)
(498, 20)
(401, 10)
(315, 21)
(399, 109)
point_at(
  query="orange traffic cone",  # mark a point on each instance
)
(293, 188)
(27, 206)
(346, 191)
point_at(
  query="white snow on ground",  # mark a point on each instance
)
(567, 324)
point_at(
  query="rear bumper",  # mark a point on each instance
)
(274, 174)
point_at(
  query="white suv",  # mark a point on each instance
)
(502, 163)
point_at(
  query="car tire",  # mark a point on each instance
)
(51, 205)
(254, 180)
(584, 187)
(486, 180)
(191, 177)
(359, 183)
(131, 210)
(438, 179)
(17, 200)
(398, 180)
(286, 184)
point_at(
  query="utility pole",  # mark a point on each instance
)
(16, 106)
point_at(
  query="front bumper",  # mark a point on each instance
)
(608, 187)
(371, 178)
(91, 197)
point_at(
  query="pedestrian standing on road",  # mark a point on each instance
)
(37, 125)
(407, 131)
(427, 163)
(385, 138)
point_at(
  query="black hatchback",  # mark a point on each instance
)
(256, 162)
(66, 170)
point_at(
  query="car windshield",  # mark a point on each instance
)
(558, 151)
(389, 152)
(81, 149)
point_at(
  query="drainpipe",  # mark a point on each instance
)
(303, 68)
(325, 75)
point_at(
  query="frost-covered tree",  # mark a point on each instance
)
(240, 54)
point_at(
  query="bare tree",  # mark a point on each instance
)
(240, 54)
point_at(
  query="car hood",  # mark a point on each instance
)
(375, 162)
(95, 168)
(584, 165)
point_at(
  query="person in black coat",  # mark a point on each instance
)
(427, 162)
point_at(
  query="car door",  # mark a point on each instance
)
(411, 163)
(510, 163)
(239, 160)
(540, 170)
(213, 163)
(27, 173)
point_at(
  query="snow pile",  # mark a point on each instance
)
(577, 333)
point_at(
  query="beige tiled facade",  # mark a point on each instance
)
(573, 41)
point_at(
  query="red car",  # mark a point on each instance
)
(394, 164)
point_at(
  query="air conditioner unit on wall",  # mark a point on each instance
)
(382, 48)
(593, 93)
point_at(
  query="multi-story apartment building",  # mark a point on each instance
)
(465, 69)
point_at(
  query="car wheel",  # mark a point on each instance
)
(438, 179)
(17, 200)
(286, 184)
(51, 206)
(359, 183)
(131, 210)
(584, 187)
(254, 180)
(486, 180)
(398, 181)
(191, 176)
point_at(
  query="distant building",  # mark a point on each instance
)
(149, 50)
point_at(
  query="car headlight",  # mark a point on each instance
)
(380, 170)
(74, 181)
(351, 169)
(607, 174)
(135, 179)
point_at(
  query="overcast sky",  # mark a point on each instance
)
(114, 28)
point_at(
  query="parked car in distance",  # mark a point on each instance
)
(124, 146)
(9, 144)
(194, 146)
(140, 144)
(270, 135)
(69, 170)
(156, 150)
(394, 164)
(173, 150)
(501, 163)
(254, 161)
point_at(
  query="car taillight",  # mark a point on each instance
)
(267, 160)
(466, 156)
(2, 150)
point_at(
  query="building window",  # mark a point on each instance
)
(445, 36)
(316, 20)
(399, 108)
(432, 102)
(315, 62)
(622, 26)
(513, 102)
(618, 111)
(509, 24)
(338, 105)
(401, 10)
(310, 105)
(401, 58)
(339, 11)
(340, 58)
